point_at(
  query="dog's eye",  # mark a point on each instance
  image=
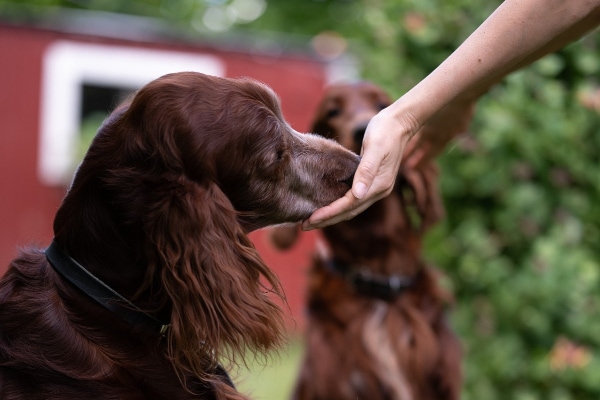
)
(334, 112)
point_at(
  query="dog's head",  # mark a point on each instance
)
(232, 133)
(345, 111)
(343, 115)
(173, 181)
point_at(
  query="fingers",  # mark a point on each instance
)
(350, 205)
(331, 214)
(365, 175)
(381, 152)
(342, 209)
(417, 156)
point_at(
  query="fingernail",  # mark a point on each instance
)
(359, 190)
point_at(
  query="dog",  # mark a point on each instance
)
(151, 281)
(376, 324)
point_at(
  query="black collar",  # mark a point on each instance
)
(367, 283)
(83, 279)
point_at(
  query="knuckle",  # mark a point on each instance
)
(368, 168)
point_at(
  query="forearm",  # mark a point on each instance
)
(516, 34)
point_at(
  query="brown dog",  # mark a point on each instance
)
(376, 313)
(151, 279)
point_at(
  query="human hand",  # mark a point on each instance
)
(432, 138)
(383, 145)
(386, 140)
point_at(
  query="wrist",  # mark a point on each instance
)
(405, 117)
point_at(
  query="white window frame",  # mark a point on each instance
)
(68, 65)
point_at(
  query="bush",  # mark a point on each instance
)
(521, 241)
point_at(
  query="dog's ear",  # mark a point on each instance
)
(215, 281)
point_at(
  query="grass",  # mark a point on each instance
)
(273, 380)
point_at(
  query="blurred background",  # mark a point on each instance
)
(520, 245)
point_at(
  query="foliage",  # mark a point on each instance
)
(521, 241)
(522, 192)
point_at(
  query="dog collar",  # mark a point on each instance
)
(367, 283)
(103, 294)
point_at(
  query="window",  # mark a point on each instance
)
(81, 79)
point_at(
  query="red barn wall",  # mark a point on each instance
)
(27, 206)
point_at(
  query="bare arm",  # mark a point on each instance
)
(516, 34)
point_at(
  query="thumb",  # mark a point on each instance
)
(364, 176)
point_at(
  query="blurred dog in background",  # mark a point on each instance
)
(376, 312)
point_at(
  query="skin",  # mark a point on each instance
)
(420, 123)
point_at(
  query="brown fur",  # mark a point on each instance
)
(159, 210)
(363, 347)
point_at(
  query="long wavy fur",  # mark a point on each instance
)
(200, 262)
(211, 273)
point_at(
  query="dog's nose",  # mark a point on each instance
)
(359, 134)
